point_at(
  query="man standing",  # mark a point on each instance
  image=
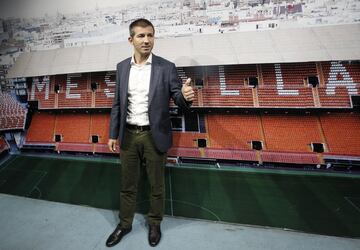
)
(140, 120)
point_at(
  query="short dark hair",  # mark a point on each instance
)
(142, 22)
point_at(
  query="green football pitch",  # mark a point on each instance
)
(309, 201)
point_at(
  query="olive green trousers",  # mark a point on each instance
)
(139, 149)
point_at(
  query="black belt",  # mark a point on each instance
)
(137, 128)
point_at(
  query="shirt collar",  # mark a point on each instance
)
(148, 60)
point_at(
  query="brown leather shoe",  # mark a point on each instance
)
(154, 235)
(117, 235)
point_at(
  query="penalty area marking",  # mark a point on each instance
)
(348, 199)
(34, 186)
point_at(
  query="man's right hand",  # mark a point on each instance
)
(112, 145)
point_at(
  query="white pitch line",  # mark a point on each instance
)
(348, 199)
(7, 163)
(204, 208)
(38, 182)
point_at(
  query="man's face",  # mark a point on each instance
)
(143, 40)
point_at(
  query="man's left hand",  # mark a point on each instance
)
(188, 91)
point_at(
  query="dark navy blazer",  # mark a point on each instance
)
(164, 84)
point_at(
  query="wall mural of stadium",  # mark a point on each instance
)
(272, 138)
(299, 113)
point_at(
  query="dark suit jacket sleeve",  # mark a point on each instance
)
(175, 89)
(115, 110)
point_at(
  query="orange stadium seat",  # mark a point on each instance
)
(291, 74)
(269, 97)
(41, 128)
(342, 132)
(341, 99)
(74, 147)
(212, 97)
(100, 126)
(184, 152)
(233, 131)
(74, 128)
(283, 85)
(292, 133)
(187, 139)
(230, 154)
(289, 157)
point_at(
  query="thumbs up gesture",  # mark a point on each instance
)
(188, 91)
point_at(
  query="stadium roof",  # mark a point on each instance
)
(321, 43)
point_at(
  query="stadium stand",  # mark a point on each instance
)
(341, 131)
(185, 152)
(289, 157)
(73, 128)
(301, 138)
(340, 81)
(12, 114)
(105, 91)
(290, 133)
(77, 93)
(233, 75)
(270, 97)
(188, 139)
(100, 127)
(41, 130)
(230, 154)
(340, 100)
(75, 131)
(42, 90)
(283, 85)
(284, 138)
(233, 131)
(213, 97)
(226, 86)
(287, 74)
(74, 147)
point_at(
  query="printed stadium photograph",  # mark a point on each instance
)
(188, 124)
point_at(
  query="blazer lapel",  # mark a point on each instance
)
(154, 78)
(124, 87)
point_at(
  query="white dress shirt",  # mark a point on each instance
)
(138, 92)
